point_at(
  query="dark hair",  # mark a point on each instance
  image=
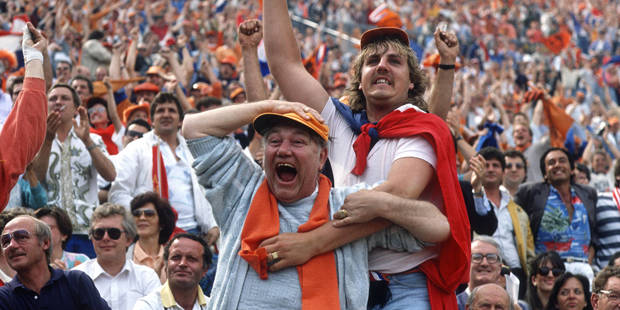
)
(583, 168)
(76, 99)
(512, 153)
(559, 282)
(96, 35)
(139, 122)
(491, 152)
(543, 164)
(165, 97)
(208, 102)
(206, 254)
(357, 100)
(541, 259)
(613, 258)
(85, 79)
(62, 220)
(15, 80)
(163, 209)
(617, 170)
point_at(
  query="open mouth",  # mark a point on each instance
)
(383, 81)
(286, 172)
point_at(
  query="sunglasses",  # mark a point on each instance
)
(517, 165)
(134, 134)
(96, 109)
(19, 236)
(543, 271)
(146, 212)
(113, 233)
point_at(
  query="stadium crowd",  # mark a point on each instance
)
(223, 154)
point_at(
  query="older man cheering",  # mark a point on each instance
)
(290, 195)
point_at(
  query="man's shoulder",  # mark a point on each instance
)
(150, 301)
(86, 266)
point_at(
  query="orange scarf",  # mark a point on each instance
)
(317, 277)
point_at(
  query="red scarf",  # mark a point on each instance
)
(106, 136)
(451, 268)
(318, 277)
(615, 194)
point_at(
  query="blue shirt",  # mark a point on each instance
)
(65, 290)
(568, 237)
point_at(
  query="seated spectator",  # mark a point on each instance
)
(606, 290)
(155, 222)
(570, 292)
(186, 263)
(135, 130)
(545, 269)
(120, 281)
(6, 272)
(26, 242)
(488, 296)
(60, 224)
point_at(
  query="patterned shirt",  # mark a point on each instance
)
(570, 238)
(76, 192)
(607, 228)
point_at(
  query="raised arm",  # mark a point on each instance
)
(284, 59)
(441, 93)
(24, 129)
(250, 34)
(101, 162)
(222, 121)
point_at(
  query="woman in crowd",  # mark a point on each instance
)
(570, 292)
(545, 269)
(155, 221)
(60, 225)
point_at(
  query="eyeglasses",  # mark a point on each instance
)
(99, 109)
(146, 212)
(543, 271)
(611, 295)
(491, 258)
(113, 233)
(516, 165)
(19, 236)
(134, 134)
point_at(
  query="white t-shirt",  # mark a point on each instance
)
(379, 162)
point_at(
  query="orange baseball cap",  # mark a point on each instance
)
(384, 33)
(265, 121)
(146, 86)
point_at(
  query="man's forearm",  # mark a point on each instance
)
(103, 165)
(222, 121)
(441, 93)
(255, 87)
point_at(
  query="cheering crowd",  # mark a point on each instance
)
(186, 154)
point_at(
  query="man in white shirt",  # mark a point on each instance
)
(120, 282)
(187, 259)
(160, 161)
(513, 234)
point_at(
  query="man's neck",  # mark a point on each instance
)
(112, 267)
(63, 131)
(512, 188)
(494, 194)
(184, 297)
(35, 277)
(377, 111)
(171, 139)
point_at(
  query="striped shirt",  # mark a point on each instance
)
(607, 228)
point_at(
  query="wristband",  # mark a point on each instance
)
(446, 67)
(30, 53)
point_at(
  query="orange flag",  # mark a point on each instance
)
(558, 122)
(557, 41)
